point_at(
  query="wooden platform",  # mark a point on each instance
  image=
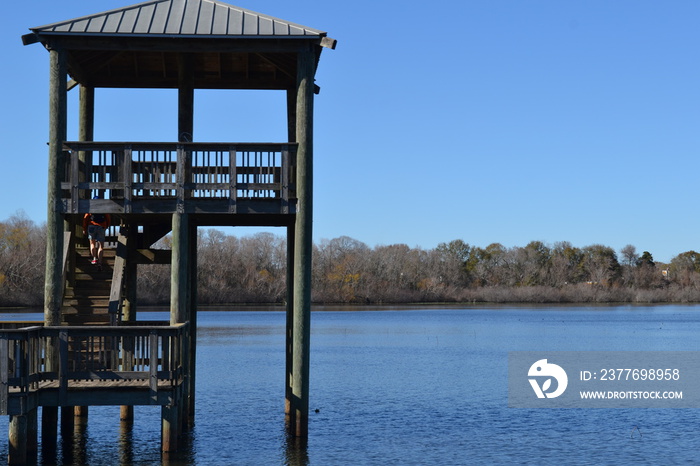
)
(50, 366)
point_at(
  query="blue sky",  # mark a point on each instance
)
(487, 121)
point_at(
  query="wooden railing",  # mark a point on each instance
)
(164, 177)
(150, 357)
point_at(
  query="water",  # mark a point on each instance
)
(407, 386)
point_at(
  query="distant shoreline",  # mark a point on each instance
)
(340, 307)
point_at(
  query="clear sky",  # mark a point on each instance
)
(482, 120)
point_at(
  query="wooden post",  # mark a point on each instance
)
(53, 285)
(32, 431)
(189, 398)
(129, 306)
(169, 428)
(289, 340)
(289, 308)
(81, 414)
(67, 422)
(86, 131)
(179, 269)
(299, 413)
(49, 430)
(185, 114)
(179, 301)
(126, 412)
(181, 275)
(17, 453)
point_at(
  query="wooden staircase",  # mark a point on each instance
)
(87, 302)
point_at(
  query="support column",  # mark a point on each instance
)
(129, 306)
(86, 129)
(303, 244)
(53, 286)
(49, 430)
(289, 305)
(179, 302)
(17, 453)
(67, 422)
(289, 338)
(189, 414)
(181, 305)
(169, 428)
(179, 271)
(32, 431)
(185, 114)
(81, 415)
(126, 412)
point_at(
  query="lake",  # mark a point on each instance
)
(418, 385)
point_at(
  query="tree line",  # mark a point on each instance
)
(252, 269)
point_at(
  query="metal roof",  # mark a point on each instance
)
(198, 18)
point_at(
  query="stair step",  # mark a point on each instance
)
(87, 302)
(85, 310)
(91, 272)
(98, 319)
(96, 286)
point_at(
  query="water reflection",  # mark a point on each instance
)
(126, 440)
(296, 451)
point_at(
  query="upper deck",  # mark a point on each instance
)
(169, 177)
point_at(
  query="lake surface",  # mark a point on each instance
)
(406, 386)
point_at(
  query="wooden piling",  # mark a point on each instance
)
(126, 413)
(170, 423)
(81, 414)
(179, 272)
(17, 453)
(189, 395)
(299, 412)
(53, 286)
(49, 430)
(32, 431)
(289, 330)
(67, 421)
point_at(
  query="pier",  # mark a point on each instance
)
(91, 349)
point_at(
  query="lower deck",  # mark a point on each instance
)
(92, 366)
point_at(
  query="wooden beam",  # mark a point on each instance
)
(329, 43)
(167, 44)
(153, 256)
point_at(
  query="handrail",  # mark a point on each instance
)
(67, 238)
(115, 293)
(192, 175)
(153, 353)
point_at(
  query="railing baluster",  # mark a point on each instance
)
(4, 373)
(153, 367)
(131, 173)
(62, 366)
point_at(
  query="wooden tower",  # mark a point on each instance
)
(152, 189)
